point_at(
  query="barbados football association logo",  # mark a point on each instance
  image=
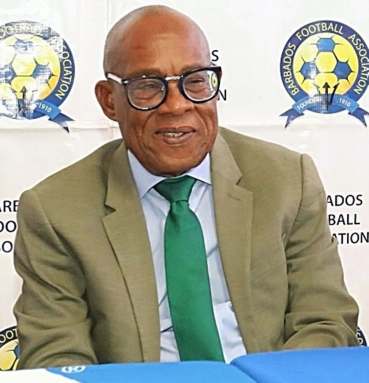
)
(9, 349)
(360, 337)
(36, 72)
(325, 69)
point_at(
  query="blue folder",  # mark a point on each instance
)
(334, 365)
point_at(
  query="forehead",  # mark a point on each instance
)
(163, 48)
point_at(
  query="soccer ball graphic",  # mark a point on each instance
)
(325, 63)
(29, 71)
(9, 355)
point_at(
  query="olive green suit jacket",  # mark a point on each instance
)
(89, 293)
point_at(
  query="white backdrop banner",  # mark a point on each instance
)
(295, 73)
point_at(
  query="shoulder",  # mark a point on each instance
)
(248, 148)
(267, 165)
(83, 181)
(260, 160)
(89, 168)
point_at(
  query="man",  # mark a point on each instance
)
(97, 241)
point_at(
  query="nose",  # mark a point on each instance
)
(175, 103)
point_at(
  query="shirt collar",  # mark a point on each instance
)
(145, 180)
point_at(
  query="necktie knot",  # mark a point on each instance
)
(176, 189)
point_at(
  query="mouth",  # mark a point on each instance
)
(175, 135)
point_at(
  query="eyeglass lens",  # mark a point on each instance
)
(146, 92)
(200, 85)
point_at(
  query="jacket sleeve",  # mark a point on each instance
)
(320, 311)
(52, 314)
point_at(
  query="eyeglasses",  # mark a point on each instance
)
(149, 92)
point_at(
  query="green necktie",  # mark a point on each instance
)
(187, 276)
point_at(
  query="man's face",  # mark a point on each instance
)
(178, 134)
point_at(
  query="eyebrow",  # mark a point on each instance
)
(157, 72)
(142, 72)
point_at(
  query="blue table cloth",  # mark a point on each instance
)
(185, 372)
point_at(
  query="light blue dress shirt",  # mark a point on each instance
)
(156, 208)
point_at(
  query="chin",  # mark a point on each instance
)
(171, 169)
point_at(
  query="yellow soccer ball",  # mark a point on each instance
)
(29, 65)
(324, 63)
(9, 355)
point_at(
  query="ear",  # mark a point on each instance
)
(104, 95)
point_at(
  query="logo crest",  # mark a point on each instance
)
(360, 337)
(36, 72)
(9, 349)
(325, 69)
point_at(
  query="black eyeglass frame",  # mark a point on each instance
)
(165, 80)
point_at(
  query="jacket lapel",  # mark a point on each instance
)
(233, 214)
(126, 230)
